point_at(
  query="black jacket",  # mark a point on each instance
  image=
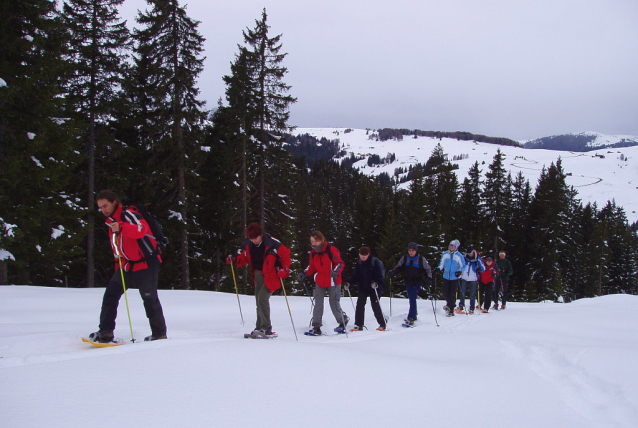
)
(365, 273)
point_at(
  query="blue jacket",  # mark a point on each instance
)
(473, 265)
(450, 264)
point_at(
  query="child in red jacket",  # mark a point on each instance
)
(486, 282)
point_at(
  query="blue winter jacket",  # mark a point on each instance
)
(473, 265)
(451, 263)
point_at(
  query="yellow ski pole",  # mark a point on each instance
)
(236, 291)
(286, 297)
(119, 257)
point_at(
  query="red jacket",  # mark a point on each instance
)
(322, 263)
(133, 242)
(487, 275)
(276, 256)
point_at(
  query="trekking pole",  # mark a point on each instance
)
(351, 301)
(286, 297)
(379, 301)
(343, 319)
(232, 269)
(434, 304)
(119, 257)
(390, 296)
(312, 301)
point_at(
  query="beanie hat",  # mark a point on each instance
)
(456, 243)
(412, 246)
(470, 248)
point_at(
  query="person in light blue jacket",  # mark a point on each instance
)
(451, 264)
(469, 277)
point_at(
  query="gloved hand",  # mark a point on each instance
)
(442, 271)
(457, 273)
(230, 260)
(283, 273)
(374, 285)
(334, 274)
(495, 275)
(391, 274)
(302, 276)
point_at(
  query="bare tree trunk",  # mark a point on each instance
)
(90, 244)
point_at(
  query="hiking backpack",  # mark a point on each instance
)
(153, 224)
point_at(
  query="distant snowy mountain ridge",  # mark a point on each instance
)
(599, 175)
(582, 142)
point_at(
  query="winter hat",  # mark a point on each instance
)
(364, 251)
(470, 248)
(456, 243)
(412, 246)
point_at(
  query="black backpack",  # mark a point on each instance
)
(154, 224)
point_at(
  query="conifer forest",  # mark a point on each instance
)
(87, 103)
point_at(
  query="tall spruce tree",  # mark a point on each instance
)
(495, 200)
(38, 151)
(97, 51)
(270, 105)
(549, 221)
(622, 262)
(470, 214)
(170, 46)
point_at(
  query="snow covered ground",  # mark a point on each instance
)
(598, 176)
(532, 365)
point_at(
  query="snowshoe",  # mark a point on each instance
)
(356, 328)
(154, 337)
(340, 330)
(459, 311)
(381, 328)
(315, 331)
(101, 336)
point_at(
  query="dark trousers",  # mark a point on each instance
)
(485, 291)
(146, 281)
(501, 285)
(449, 292)
(413, 293)
(359, 314)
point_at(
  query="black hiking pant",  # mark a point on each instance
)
(485, 291)
(359, 313)
(146, 281)
(449, 292)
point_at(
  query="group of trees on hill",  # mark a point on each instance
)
(85, 104)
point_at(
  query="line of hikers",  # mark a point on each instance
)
(137, 264)
(269, 262)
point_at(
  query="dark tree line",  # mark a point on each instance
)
(85, 105)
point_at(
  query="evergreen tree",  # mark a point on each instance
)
(495, 199)
(38, 152)
(170, 46)
(470, 214)
(517, 234)
(269, 104)
(442, 188)
(622, 262)
(98, 42)
(549, 222)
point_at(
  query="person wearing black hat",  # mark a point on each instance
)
(416, 272)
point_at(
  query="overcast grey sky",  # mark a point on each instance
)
(520, 69)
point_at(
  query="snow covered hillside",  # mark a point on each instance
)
(598, 175)
(532, 365)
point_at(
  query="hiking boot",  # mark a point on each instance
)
(346, 319)
(471, 311)
(485, 311)
(503, 306)
(446, 309)
(356, 328)
(409, 321)
(380, 328)
(316, 330)
(102, 336)
(154, 337)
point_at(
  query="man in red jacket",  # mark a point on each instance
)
(133, 244)
(269, 262)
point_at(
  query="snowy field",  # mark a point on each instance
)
(596, 179)
(532, 365)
